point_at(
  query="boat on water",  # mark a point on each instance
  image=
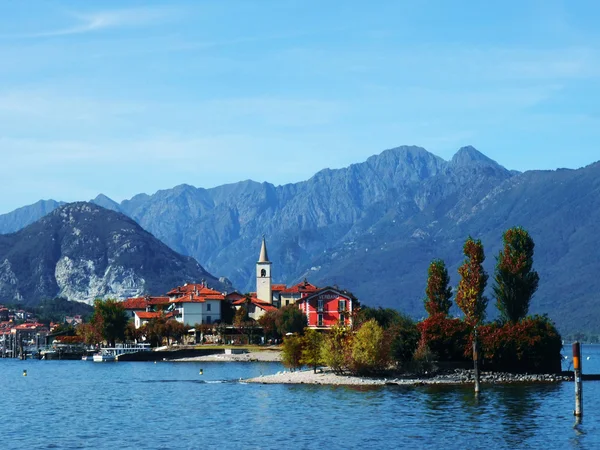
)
(110, 354)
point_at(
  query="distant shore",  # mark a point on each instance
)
(327, 377)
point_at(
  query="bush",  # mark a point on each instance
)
(531, 345)
(336, 348)
(311, 349)
(404, 337)
(291, 354)
(370, 349)
(447, 338)
(423, 360)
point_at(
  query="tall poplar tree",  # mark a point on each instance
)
(438, 289)
(515, 279)
(469, 295)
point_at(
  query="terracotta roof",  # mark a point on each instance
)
(135, 303)
(158, 300)
(279, 287)
(186, 289)
(152, 315)
(233, 296)
(260, 303)
(303, 287)
(202, 296)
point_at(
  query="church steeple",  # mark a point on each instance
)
(263, 257)
(264, 288)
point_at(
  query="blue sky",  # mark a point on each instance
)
(123, 97)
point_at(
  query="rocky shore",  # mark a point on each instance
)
(459, 376)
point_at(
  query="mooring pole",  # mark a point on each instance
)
(578, 384)
(476, 360)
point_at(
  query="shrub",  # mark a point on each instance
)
(447, 338)
(291, 354)
(336, 348)
(404, 337)
(530, 345)
(423, 359)
(311, 349)
(370, 349)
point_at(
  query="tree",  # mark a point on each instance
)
(227, 312)
(336, 348)
(469, 295)
(291, 353)
(515, 279)
(111, 318)
(404, 338)
(268, 322)
(311, 348)
(438, 289)
(132, 333)
(174, 331)
(290, 320)
(370, 349)
(90, 333)
(154, 330)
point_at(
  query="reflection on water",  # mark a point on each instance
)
(70, 404)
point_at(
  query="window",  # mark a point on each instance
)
(320, 320)
(287, 302)
(208, 319)
(341, 305)
(208, 305)
(320, 304)
(342, 319)
(263, 272)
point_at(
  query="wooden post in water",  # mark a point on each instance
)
(476, 361)
(578, 384)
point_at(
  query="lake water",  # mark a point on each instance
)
(76, 404)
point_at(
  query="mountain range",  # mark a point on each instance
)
(374, 227)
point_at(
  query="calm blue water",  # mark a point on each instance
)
(76, 404)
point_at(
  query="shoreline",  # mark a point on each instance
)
(258, 356)
(326, 376)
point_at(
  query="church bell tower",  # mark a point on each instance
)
(264, 289)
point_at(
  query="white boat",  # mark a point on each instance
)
(109, 354)
(99, 357)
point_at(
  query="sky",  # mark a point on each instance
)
(123, 97)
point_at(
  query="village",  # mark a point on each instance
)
(195, 306)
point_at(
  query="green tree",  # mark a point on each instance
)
(227, 312)
(174, 331)
(291, 353)
(438, 289)
(268, 322)
(336, 348)
(290, 320)
(311, 349)
(370, 349)
(515, 279)
(384, 317)
(469, 295)
(404, 338)
(111, 319)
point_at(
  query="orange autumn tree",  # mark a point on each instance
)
(469, 295)
(438, 289)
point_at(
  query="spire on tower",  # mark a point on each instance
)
(263, 252)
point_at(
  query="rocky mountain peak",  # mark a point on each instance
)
(470, 155)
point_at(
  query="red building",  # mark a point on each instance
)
(328, 307)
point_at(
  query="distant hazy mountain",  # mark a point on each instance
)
(19, 218)
(82, 251)
(374, 227)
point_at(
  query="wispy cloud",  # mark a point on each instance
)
(103, 20)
